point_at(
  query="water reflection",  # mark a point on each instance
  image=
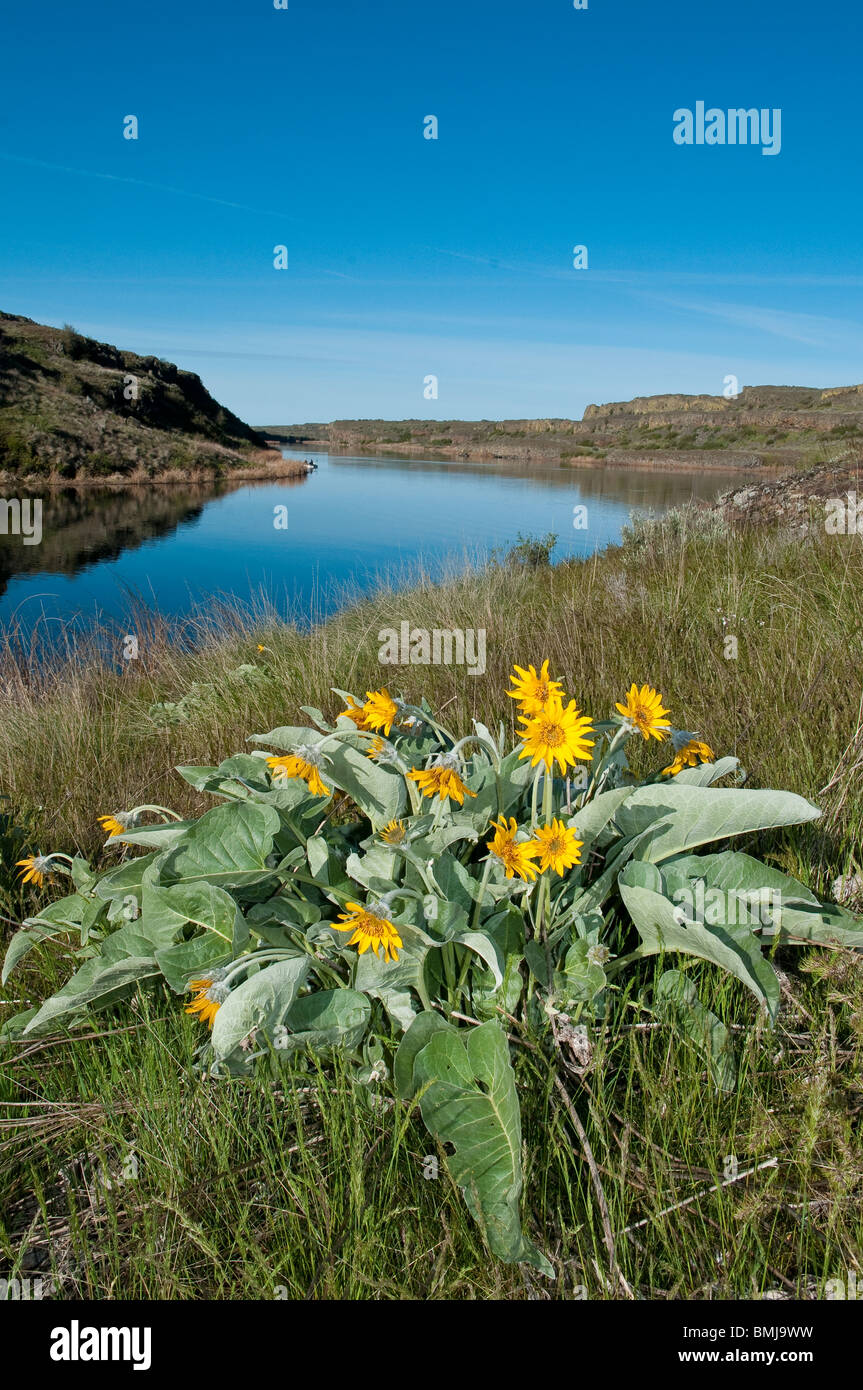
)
(348, 524)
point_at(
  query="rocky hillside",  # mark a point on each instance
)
(778, 425)
(824, 498)
(72, 408)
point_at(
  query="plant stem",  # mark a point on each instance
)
(534, 798)
(486, 874)
(448, 958)
(545, 879)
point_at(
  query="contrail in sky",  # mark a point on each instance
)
(144, 183)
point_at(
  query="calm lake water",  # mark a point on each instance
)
(349, 524)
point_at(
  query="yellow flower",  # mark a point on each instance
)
(441, 781)
(559, 848)
(379, 710)
(556, 733)
(370, 930)
(514, 855)
(291, 765)
(643, 708)
(35, 869)
(209, 996)
(260, 648)
(690, 755)
(355, 712)
(375, 747)
(533, 691)
(394, 833)
(113, 824)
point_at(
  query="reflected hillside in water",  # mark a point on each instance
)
(86, 526)
(658, 487)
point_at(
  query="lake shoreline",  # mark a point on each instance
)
(268, 465)
(693, 461)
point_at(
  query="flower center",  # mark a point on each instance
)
(551, 734)
(371, 926)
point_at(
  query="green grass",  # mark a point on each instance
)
(239, 1188)
(248, 1191)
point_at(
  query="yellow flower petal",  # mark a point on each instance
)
(556, 734)
(643, 708)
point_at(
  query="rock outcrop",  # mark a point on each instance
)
(72, 408)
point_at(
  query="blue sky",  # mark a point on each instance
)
(410, 257)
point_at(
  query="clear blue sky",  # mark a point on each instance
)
(410, 257)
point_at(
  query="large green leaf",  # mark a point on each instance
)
(127, 959)
(592, 819)
(228, 846)
(424, 1026)
(377, 788)
(454, 881)
(261, 1001)
(393, 981)
(468, 1099)
(65, 912)
(57, 919)
(154, 836)
(732, 871)
(94, 986)
(126, 879)
(678, 817)
(824, 925)
(24, 941)
(707, 773)
(199, 904)
(580, 979)
(288, 736)
(326, 1019)
(506, 930)
(661, 928)
(791, 911)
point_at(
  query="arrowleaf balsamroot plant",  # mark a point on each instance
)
(382, 887)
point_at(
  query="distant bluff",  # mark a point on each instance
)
(785, 426)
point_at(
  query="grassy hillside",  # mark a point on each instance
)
(72, 408)
(241, 1190)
